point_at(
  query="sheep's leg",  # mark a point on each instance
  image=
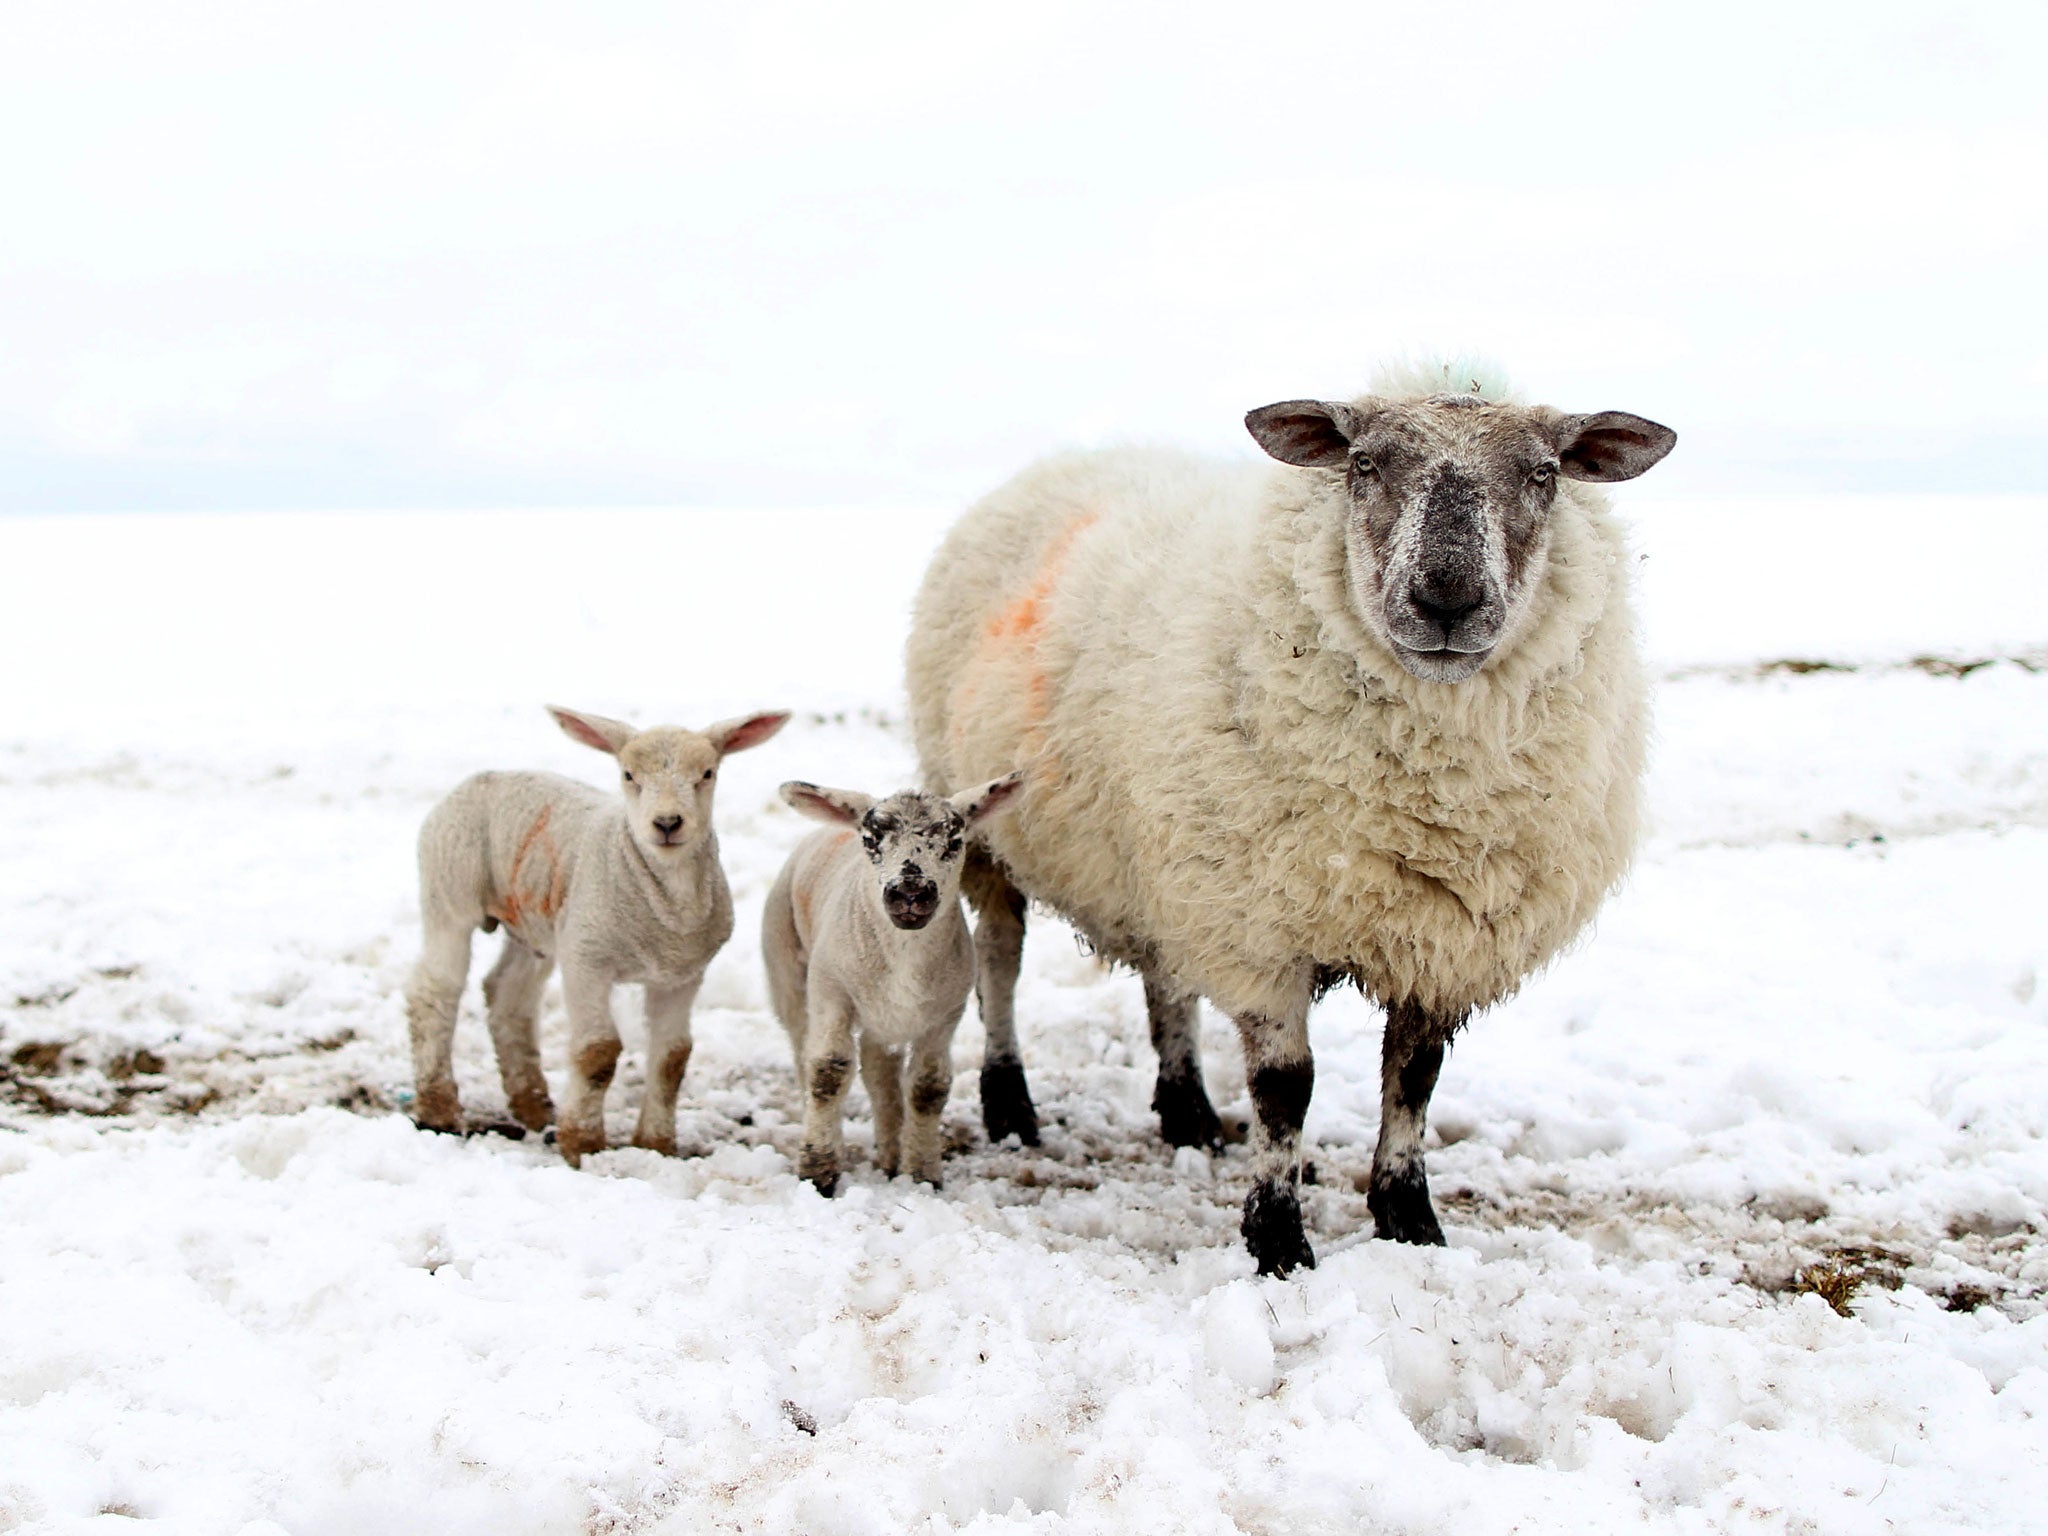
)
(1006, 1107)
(431, 999)
(931, 1081)
(1282, 1075)
(668, 1058)
(1410, 1058)
(882, 1070)
(593, 1058)
(782, 956)
(828, 1065)
(512, 1001)
(1186, 1118)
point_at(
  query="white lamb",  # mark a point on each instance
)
(625, 889)
(1377, 715)
(868, 939)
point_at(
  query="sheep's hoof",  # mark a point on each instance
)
(535, 1111)
(575, 1142)
(1401, 1212)
(821, 1169)
(438, 1109)
(1272, 1229)
(1186, 1118)
(1006, 1108)
(665, 1145)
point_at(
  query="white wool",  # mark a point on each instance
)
(1228, 772)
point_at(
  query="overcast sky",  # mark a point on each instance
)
(758, 255)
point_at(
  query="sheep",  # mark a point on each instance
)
(1375, 715)
(617, 890)
(871, 941)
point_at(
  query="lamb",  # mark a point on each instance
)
(871, 941)
(1375, 715)
(617, 890)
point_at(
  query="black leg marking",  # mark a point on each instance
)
(1006, 1107)
(1272, 1225)
(1186, 1117)
(1410, 1059)
(829, 1075)
(928, 1095)
(1272, 1228)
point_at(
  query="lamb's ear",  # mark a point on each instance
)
(747, 731)
(1312, 434)
(844, 807)
(1610, 445)
(593, 730)
(995, 795)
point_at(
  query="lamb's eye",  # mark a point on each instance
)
(1362, 462)
(708, 772)
(1543, 473)
(629, 778)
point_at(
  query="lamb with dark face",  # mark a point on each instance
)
(1450, 502)
(864, 939)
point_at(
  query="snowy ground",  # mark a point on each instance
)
(1808, 1045)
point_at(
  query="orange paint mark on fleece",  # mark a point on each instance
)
(510, 907)
(1026, 616)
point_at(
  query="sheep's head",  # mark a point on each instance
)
(914, 841)
(667, 774)
(1449, 508)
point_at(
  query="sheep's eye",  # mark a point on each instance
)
(1362, 462)
(1543, 473)
(707, 774)
(629, 778)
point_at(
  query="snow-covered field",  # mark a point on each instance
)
(1806, 1050)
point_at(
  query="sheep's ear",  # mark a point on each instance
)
(593, 730)
(1312, 434)
(845, 807)
(747, 731)
(995, 795)
(1610, 445)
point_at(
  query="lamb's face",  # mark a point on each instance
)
(914, 842)
(1448, 509)
(668, 775)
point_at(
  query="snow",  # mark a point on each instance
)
(239, 1293)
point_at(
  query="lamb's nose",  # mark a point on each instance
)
(668, 826)
(911, 902)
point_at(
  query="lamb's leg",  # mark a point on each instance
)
(431, 999)
(1282, 1075)
(828, 1065)
(593, 1058)
(1006, 1107)
(882, 1071)
(668, 1058)
(931, 1082)
(512, 1000)
(1410, 1058)
(1186, 1118)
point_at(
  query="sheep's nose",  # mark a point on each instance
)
(910, 903)
(668, 826)
(1445, 597)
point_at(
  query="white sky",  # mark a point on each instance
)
(822, 254)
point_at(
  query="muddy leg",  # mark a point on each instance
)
(512, 1002)
(828, 1065)
(1006, 1107)
(1410, 1058)
(431, 999)
(931, 1081)
(1186, 1118)
(882, 1071)
(1283, 1075)
(593, 1058)
(668, 1058)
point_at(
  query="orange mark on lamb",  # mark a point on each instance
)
(512, 905)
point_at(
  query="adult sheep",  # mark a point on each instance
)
(1376, 715)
